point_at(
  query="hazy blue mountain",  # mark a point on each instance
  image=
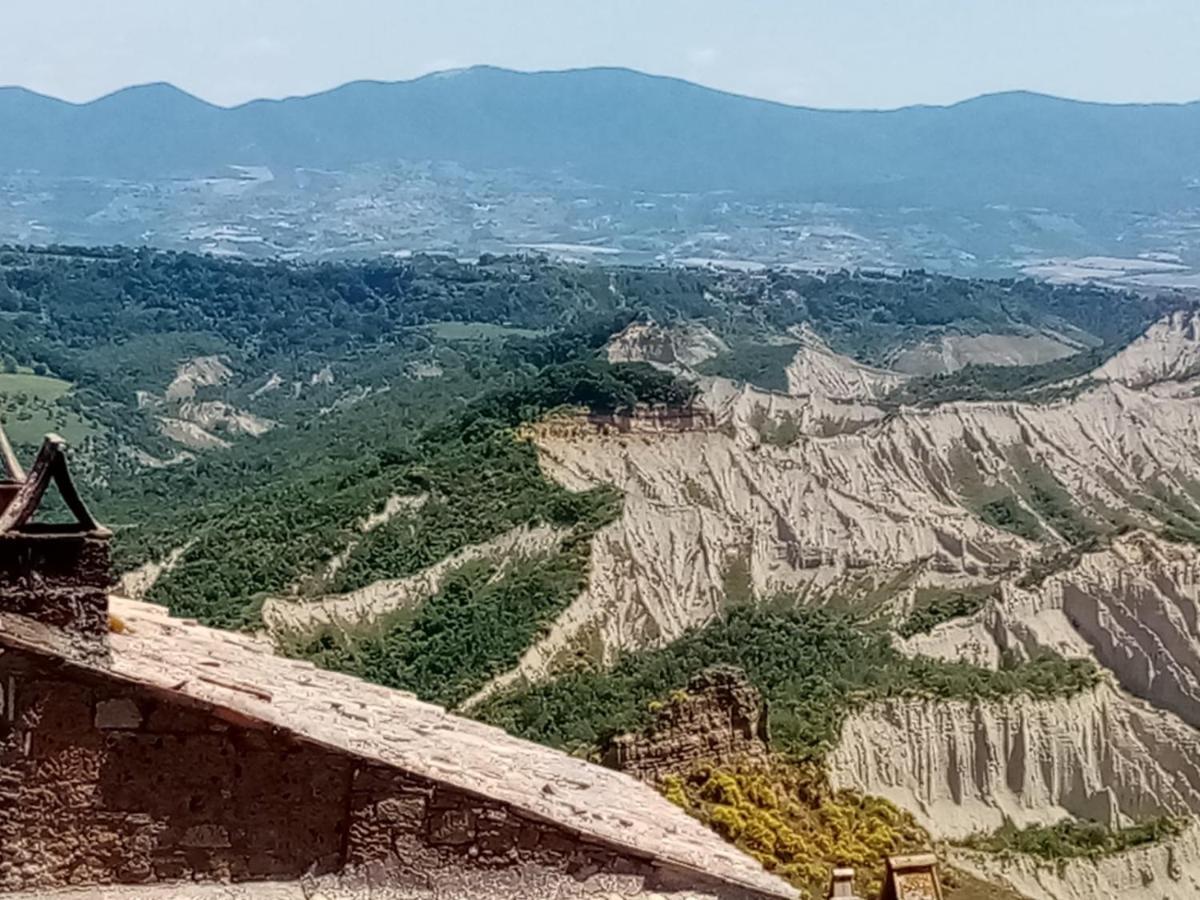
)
(633, 131)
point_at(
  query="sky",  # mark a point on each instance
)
(826, 53)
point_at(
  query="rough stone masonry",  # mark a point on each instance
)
(720, 718)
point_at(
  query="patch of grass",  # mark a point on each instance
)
(41, 387)
(736, 580)
(26, 425)
(1008, 514)
(32, 406)
(1177, 510)
(1038, 383)
(1071, 839)
(780, 432)
(1051, 501)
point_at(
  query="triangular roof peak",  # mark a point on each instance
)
(21, 495)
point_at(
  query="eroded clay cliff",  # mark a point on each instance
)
(967, 767)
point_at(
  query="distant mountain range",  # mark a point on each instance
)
(631, 131)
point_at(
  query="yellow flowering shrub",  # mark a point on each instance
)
(785, 815)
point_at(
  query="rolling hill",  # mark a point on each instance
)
(631, 131)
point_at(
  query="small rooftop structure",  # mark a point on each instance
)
(140, 749)
(57, 574)
(912, 878)
(21, 495)
(841, 885)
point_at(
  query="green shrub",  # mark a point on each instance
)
(933, 607)
(786, 816)
(762, 365)
(1008, 514)
(1072, 839)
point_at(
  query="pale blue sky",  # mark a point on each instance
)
(845, 53)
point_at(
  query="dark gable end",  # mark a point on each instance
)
(59, 574)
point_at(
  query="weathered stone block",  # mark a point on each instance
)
(401, 813)
(528, 837)
(119, 714)
(451, 827)
(209, 836)
(556, 843)
(444, 799)
(498, 839)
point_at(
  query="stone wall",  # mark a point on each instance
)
(59, 579)
(105, 783)
(720, 718)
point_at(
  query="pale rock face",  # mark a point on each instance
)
(195, 423)
(818, 491)
(1170, 349)
(965, 767)
(213, 414)
(136, 583)
(720, 719)
(189, 434)
(273, 383)
(752, 415)
(686, 345)
(1133, 607)
(203, 371)
(960, 767)
(816, 496)
(1169, 871)
(817, 370)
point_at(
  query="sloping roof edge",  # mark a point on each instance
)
(681, 844)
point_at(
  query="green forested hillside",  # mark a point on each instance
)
(71, 310)
(812, 666)
(387, 378)
(411, 379)
(405, 387)
(115, 324)
(265, 526)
